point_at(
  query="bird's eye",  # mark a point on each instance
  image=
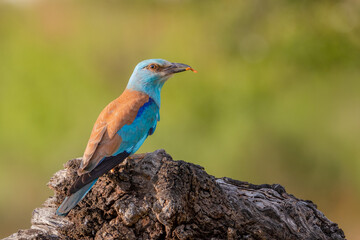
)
(153, 66)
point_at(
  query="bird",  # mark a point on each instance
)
(122, 126)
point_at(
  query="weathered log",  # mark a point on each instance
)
(151, 196)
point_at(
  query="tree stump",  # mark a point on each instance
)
(151, 196)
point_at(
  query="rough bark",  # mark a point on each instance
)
(151, 196)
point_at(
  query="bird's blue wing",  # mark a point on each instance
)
(134, 134)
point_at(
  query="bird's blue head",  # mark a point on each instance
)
(150, 75)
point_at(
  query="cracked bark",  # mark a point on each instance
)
(151, 196)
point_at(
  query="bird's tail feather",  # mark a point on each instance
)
(103, 167)
(84, 183)
(71, 201)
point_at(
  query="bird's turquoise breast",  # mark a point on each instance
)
(134, 134)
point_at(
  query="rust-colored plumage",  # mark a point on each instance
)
(103, 140)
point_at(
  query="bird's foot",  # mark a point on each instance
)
(137, 156)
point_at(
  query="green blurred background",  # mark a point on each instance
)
(276, 98)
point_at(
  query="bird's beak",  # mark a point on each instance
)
(178, 67)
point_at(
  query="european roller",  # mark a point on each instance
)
(122, 126)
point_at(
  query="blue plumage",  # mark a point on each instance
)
(133, 135)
